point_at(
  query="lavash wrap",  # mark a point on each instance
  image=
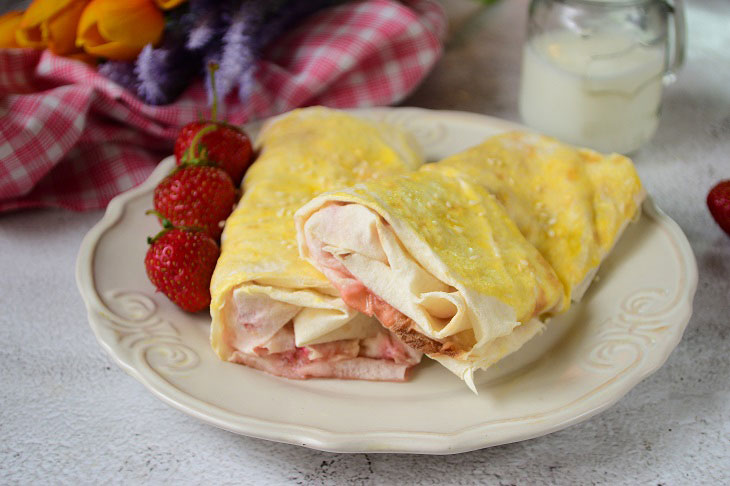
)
(302, 154)
(442, 252)
(571, 203)
(558, 209)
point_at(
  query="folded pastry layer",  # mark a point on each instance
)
(272, 310)
(437, 260)
(464, 259)
(572, 204)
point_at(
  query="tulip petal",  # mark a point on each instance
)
(50, 23)
(31, 36)
(62, 29)
(42, 10)
(168, 4)
(132, 22)
(84, 57)
(86, 31)
(8, 25)
(119, 30)
(114, 50)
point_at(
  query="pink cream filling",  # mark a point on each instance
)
(380, 357)
(352, 291)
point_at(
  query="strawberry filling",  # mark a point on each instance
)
(359, 297)
(263, 342)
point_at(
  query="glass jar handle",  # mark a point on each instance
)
(676, 9)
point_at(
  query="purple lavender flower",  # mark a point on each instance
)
(152, 75)
(231, 33)
(122, 73)
(164, 72)
(208, 20)
(246, 83)
(238, 55)
(286, 14)
(203, 31)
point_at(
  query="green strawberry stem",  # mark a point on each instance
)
(192, 155)
(166, 223)
(212, 68)
(167, 226)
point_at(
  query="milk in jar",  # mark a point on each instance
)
(601, 91)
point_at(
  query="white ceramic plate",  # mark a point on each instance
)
(630, 320)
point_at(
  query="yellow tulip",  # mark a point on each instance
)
(84, 57)
(168, 4)
(52, 24)
(119, 29)
(8, 24)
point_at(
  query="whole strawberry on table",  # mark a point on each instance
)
(718, 202)
(192, 204)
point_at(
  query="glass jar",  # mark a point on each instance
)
(593, 70)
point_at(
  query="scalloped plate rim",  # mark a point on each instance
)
(396, 442)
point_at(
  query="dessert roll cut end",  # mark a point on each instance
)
(450, 275)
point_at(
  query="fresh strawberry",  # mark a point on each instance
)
(215, 142)
(718, 200)
(180, 264)
(221, 144)
(196, 196)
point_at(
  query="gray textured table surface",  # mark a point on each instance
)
(69, 415)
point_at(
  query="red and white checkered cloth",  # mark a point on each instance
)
(71, 138)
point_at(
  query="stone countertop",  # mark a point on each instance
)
(70, 415)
